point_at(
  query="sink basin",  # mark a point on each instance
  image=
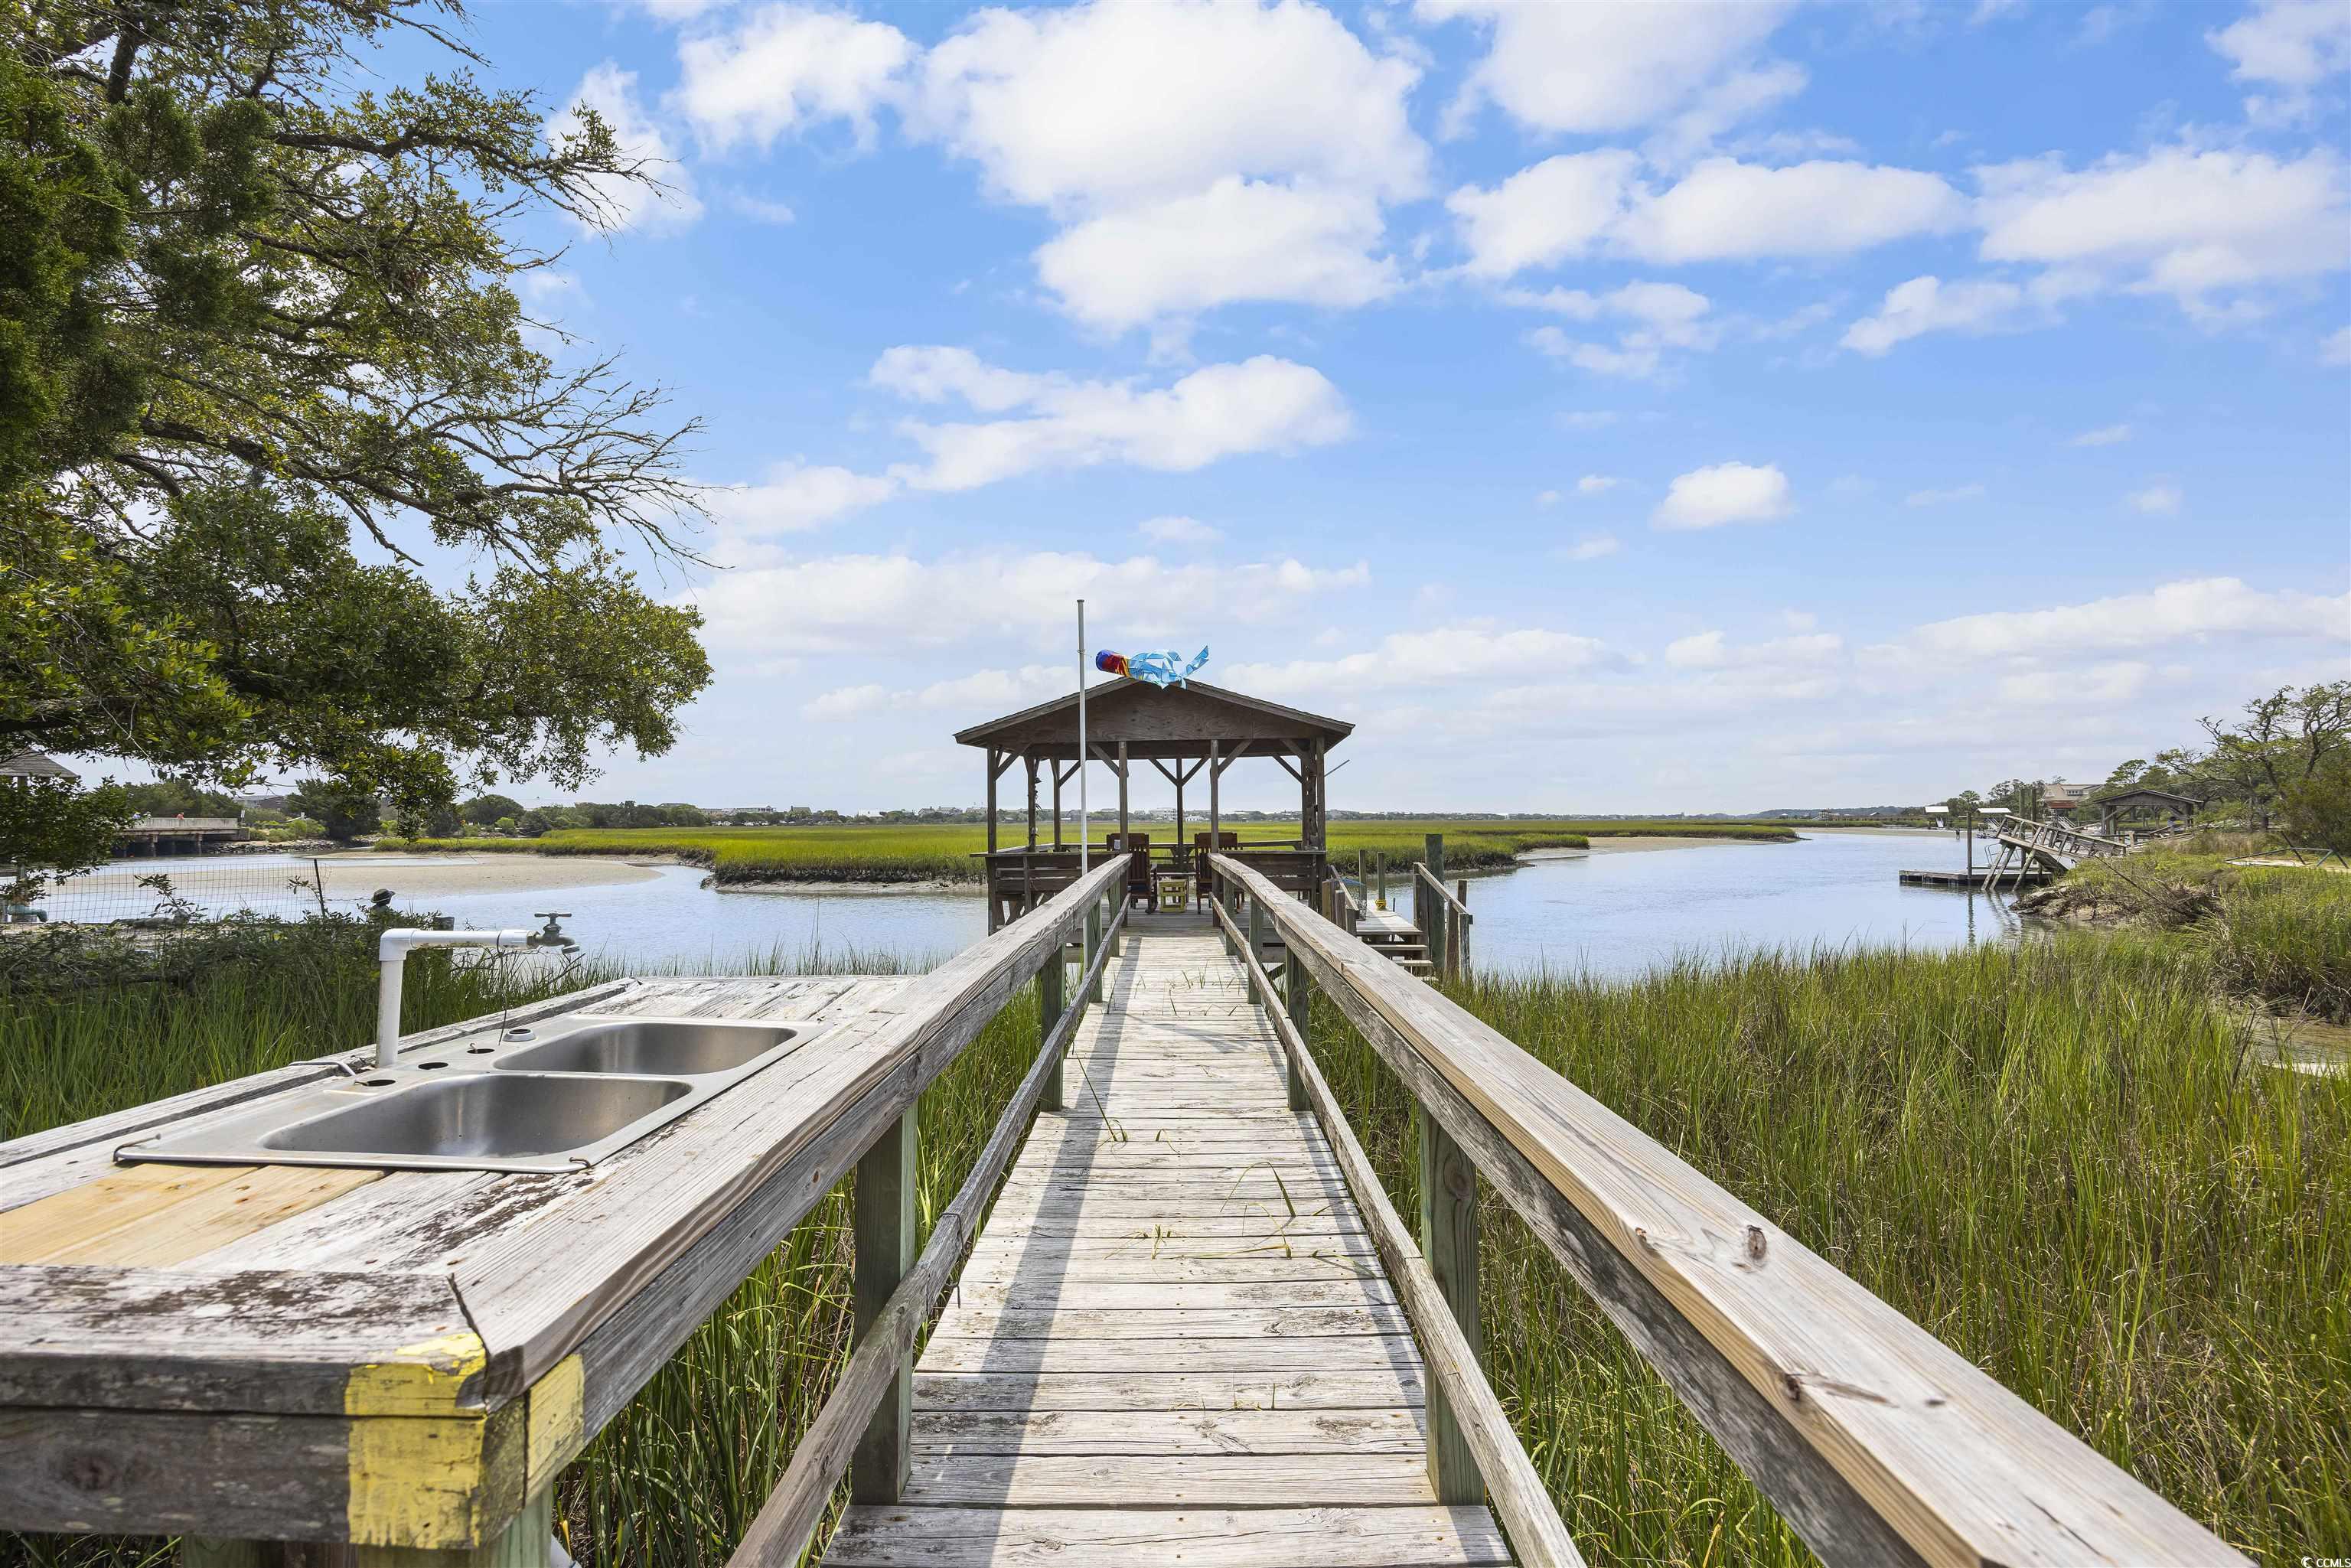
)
(551, 1096)
(653, 1047)
(480, 1116)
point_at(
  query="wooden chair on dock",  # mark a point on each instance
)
(1138, 868)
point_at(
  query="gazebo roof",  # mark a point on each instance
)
(2160, 797)
(35, 765)
(1154, 722)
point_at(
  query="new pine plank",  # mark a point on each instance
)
(152, 1217)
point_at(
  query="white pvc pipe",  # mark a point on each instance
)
(392, 950)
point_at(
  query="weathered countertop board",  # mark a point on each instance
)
(393, 1357)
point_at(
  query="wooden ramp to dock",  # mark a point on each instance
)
(1173, 1341)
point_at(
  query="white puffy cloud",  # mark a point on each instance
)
(1593, 68)
(1714, 651)
(1437, 657)
(1597, 484)
(783, 69)
(1543, 215)
(1237, 240)
(794, 496)
(2097, 686)
(1262, 405)
(848, 702)
(1930, 304)
(1724, 209)
(1957, 493)
(1666, 316)
(1580, 204)
(1196, 155)
(1178, 531)
(1592, 547)
(2207, 607)
(612, 93)
(1096, 106)
(2290, 45)
(2178, 221)
(2335, 349)
(1725, 493)
(876, 602)
(2160, 499)
(2104, 435)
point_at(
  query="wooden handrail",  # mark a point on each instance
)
(780, 1534)
(1516, 1487)
(1877, 1442)
(1423, 876)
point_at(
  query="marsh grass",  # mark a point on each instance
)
(944, 851)
(2058, 1158)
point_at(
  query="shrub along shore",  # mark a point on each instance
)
(946, 852)
(2063, 1156)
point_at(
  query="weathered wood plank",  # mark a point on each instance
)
(1349, 1353)
(1197, 1538)
(1080, 1295)
(1378, 1388)
(1167, 1481)
(970, 1321)
(1140, 1433)
(85, 1336)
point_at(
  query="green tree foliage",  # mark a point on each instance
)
(485, 810)
(178, 798)
(264, 382)
(2316, 810)
(52, 830)
(342, 814)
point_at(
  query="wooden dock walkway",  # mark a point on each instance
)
(1174, 1341)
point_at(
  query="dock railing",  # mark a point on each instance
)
(864, 1427)
(1876, 1442)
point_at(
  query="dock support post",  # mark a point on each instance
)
(1434, 922)
(1094, 945)
(1298, 999)
(1255, 956)
(886, 1251)
(1449, 1240)
(1053, 982)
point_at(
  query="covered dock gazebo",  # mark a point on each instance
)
(1180, 731)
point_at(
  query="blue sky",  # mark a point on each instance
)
(1607, 407)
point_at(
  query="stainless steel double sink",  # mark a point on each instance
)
(556, 1096)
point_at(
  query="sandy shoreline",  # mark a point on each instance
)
(351, 878)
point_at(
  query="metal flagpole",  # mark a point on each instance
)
(1085, 831)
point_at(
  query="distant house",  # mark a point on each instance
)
(2060, 799)
(36, 765)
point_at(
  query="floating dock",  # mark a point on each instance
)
(2032, 876)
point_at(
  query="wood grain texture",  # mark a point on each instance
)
(1147, 1326)
(1197, 1538)
(1461, 1406)
(1953, 1466)
(155, 1215)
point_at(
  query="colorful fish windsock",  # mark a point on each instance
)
(1166, 669)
